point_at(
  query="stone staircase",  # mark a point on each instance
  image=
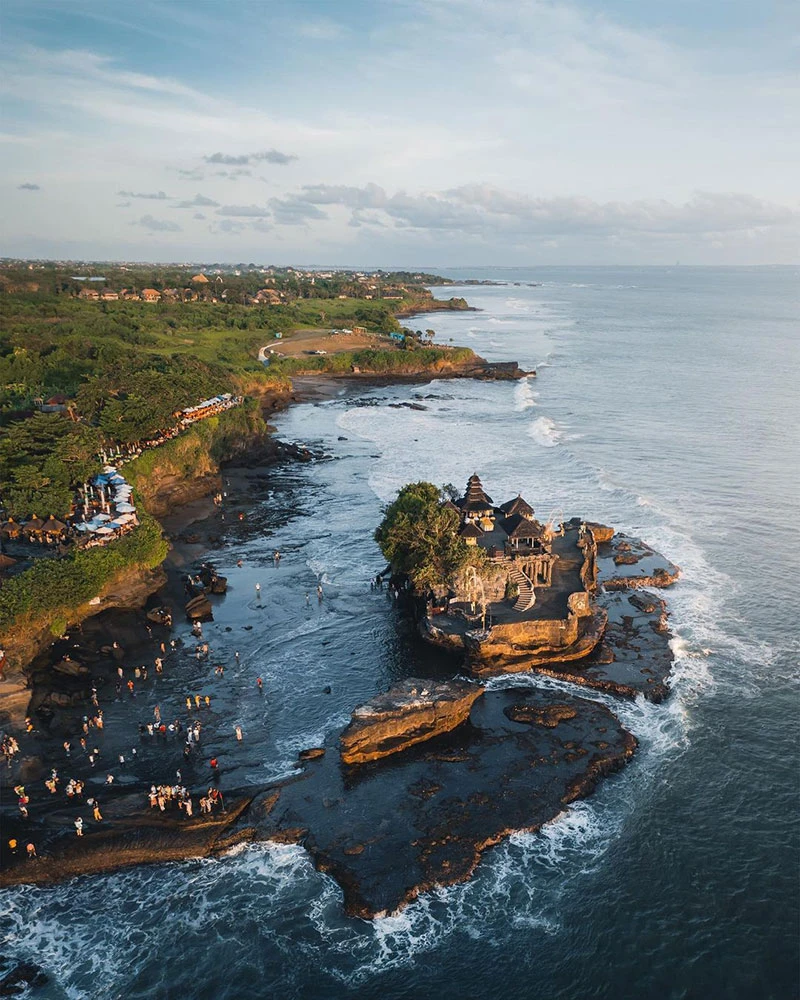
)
(527, 597)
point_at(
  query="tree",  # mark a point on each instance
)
(419, 537)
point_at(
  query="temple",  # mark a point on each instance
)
(509, 531)
(530, 598)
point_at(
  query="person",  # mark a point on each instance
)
(67, 747)
(260, 684)
(157, 713)
(208, 701)
(236, 655)
(12, 845)
(308, 600)
(197, 701)
(239, 733)
(188, 703)
(239, 563)
(79, 827)
(109, 779)
(214, 763)
(30, 850)
(258, 590)
(277, 557)
(96, 812)
(319, 592)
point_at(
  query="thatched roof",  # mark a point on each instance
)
(34, 524)
(517, 506)
(53, 526)
(470, 530)
(518, 526)
(475, 499)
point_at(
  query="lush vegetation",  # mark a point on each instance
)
(51, 589)
(40, 460)
(371, 360)
(418, 536)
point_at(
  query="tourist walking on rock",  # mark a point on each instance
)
(30, 850)
(238, 730)
(79, 827)
(96, 812)
(259, 684)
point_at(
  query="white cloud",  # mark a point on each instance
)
(243, 210)
(199, 201)
(158, 225)
(153, 196)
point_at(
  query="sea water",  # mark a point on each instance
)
(666, 404)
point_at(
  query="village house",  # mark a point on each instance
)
(151, 295)
(89, 293)
(200, 279)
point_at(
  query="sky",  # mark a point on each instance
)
(399, 133)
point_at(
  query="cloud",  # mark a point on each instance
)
(158, 225)
(295, 211)
(242, 160)
(233, 174)
(191, 175)
(253, 211)
(198, 215)
(230, 226)
(152, 196)
(199, 201)
(123, 204)
(485, 211)
(28, 187)
(262, 226)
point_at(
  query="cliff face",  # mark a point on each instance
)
(130, 588)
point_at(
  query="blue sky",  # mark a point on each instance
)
(450, 132)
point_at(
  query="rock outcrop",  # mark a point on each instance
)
(409, 713)
(625, 562)
(386, 832)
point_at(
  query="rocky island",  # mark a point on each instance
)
(512, 594)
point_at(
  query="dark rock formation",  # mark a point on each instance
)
(409, 713)
(388, 830)
(625, 562)
(635, 656)
(394, 829)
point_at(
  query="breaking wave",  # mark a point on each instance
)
(545, 432)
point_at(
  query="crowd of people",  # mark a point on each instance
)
(86, 752)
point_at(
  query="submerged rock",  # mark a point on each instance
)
(409, 713)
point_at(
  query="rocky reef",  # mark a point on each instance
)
(386, 830)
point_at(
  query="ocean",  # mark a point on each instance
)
(666, 404)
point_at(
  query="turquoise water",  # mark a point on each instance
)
(665, 404)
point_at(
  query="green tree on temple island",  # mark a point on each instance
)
(419, 537)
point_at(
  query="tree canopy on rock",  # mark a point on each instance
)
(419, 537)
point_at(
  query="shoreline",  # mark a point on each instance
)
(132, 836)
